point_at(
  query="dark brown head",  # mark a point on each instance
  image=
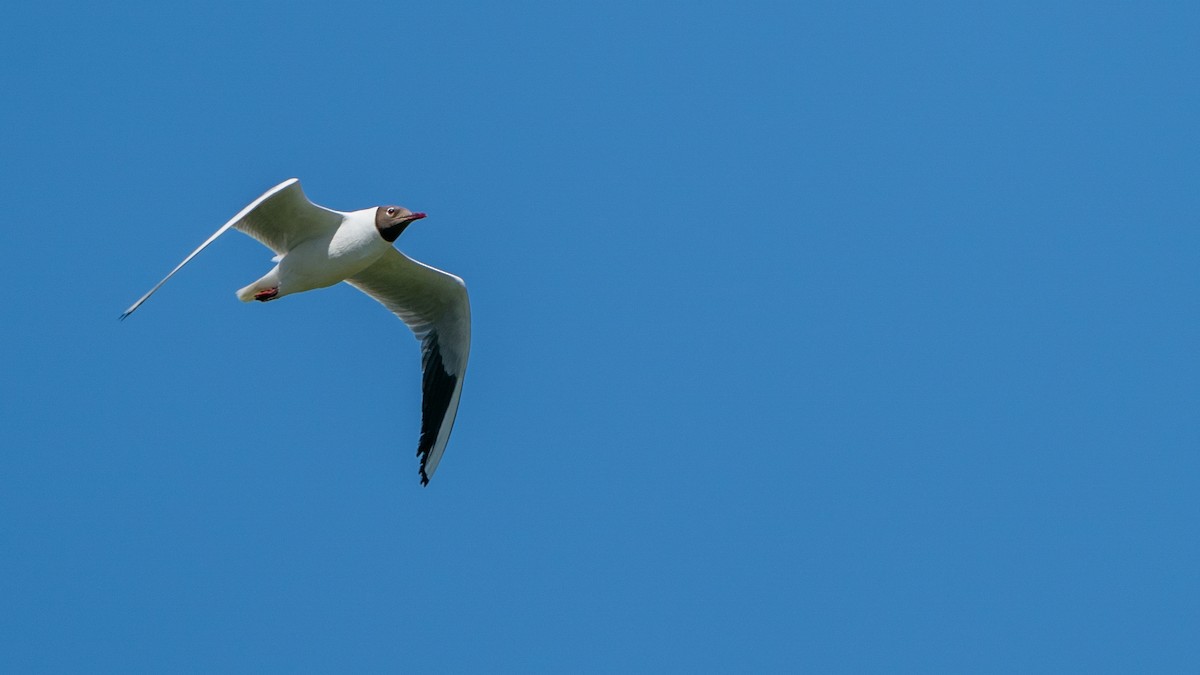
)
(391, 220)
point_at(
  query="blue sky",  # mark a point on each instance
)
(833, 337)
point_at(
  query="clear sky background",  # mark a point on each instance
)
(824, 336)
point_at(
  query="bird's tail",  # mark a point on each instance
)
(271, 280)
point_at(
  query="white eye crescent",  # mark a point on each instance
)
(391, 211)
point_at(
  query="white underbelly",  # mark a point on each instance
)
(322, 262)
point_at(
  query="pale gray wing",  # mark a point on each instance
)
(281, 218)
(435, 306)
(284, 217)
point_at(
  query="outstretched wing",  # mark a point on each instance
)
(281, 218)
(284, 217)
(434, 305)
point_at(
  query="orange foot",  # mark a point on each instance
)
(263, 296)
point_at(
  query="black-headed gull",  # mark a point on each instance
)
(318, 247)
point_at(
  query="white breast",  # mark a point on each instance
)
(326, 260)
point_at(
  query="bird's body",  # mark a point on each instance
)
(325, 259)
(318, 247)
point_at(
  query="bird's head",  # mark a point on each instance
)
(391, 221)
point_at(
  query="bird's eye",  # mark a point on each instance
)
(391, 211)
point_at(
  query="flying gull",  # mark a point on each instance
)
(318, 247)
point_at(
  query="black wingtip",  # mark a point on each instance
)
(437, 387)
(421, 467)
